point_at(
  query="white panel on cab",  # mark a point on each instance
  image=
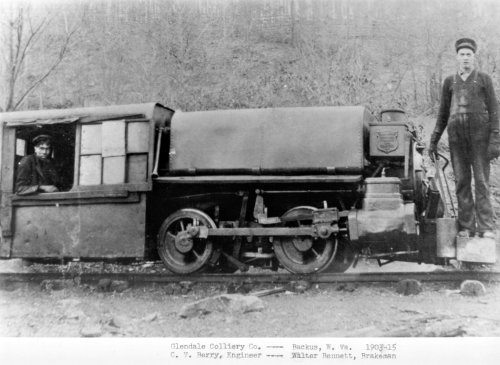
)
(113, 170)
(91, 139)
(137, 168)
(90, 170)
(20, 147)
(113, 138)
(138, 137)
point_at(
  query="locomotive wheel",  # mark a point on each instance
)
(303, 255)
(181, 253)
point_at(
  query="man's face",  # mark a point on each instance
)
(465, 58)
(42, 150)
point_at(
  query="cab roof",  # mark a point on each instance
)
(158, 113)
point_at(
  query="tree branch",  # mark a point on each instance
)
(62, 52)
(20, 59)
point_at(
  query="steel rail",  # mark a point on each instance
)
(150, 278)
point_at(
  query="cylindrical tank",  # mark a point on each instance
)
(269, 141)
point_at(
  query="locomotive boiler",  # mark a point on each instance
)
(309, 189)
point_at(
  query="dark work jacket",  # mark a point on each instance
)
(481, 99)
(33, 172)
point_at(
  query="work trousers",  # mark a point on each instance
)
(468, 136)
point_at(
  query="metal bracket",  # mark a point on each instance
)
(328, 215)
(240, 265)
(264, 219)
(258, 209)
(202, 232)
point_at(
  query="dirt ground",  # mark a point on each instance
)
(322, 311)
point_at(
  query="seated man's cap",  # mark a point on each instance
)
(42, 138)
(466, 43)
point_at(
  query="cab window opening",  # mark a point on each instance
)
(62, 149)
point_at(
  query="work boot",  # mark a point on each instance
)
(489, 234)
(464, 233)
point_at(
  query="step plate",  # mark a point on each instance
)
(476, 249)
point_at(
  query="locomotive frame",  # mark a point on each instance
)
(222, 190)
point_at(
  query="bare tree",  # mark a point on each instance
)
(22, 37)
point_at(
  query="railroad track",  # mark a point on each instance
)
(150, 278)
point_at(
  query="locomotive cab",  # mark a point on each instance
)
(105, 157)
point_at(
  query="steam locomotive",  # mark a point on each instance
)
(308, 189)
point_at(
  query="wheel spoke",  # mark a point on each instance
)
(315, 253)
(196, 254)
(182, 225)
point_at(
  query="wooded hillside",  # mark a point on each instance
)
(213, 54)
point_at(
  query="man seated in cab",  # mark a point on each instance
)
(36, 173)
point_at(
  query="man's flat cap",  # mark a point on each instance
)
(466, 43)
(42, 138)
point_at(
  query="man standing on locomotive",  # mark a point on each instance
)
(469, 109)
(36, 173)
